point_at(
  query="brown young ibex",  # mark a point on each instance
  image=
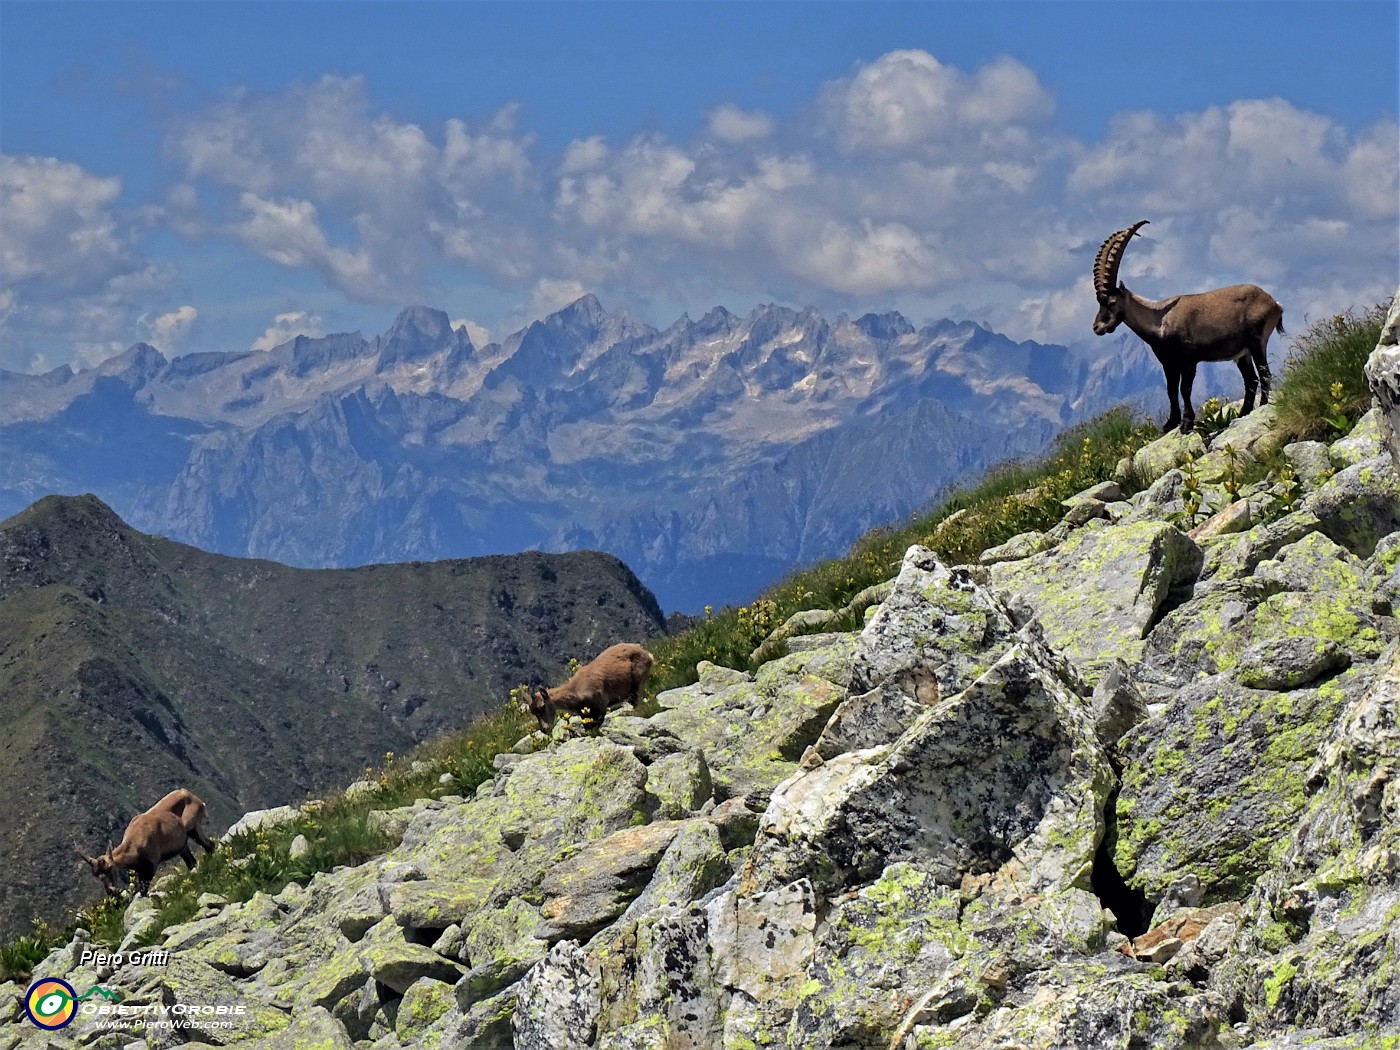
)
(614, 675)
(1227, 324)
(153, 837)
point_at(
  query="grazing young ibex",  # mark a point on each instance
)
(1227, 324)
(614, 675)
(153, 837)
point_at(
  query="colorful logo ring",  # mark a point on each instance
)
(51, 1003)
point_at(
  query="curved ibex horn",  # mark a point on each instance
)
(1110, 255)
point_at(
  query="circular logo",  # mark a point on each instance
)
(50, 1003)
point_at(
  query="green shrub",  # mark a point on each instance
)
(19, 957)
(1323, 391)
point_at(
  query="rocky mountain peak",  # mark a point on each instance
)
(417, 333)
(886, 326)
(136, 365)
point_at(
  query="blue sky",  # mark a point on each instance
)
(225, 175)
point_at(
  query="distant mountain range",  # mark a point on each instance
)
(130, 665)
(712, 456)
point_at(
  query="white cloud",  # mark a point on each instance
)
(288, 326)
(76, 279)
(551, 294)
(60, 224)
(909, 100)
(168, 331)
(479, 334)
(729, 123)
(908, 182)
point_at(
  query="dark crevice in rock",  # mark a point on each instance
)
(1176, 597)
(427, 936)
(1130, 907)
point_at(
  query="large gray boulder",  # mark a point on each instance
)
(935, 632)
(1318, 942)
(1383, 373)
(1097, 594)
(976, 784)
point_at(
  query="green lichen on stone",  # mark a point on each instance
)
(1273, 986)
(424, 1002)
(1219, 783)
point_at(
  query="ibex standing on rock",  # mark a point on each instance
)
(1227, 324)
(161, 833)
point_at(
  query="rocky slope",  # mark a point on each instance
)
(130, 664)
(1120, 786)
(710, 456)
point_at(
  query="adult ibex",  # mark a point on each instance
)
(1227, 324)
(161, 833)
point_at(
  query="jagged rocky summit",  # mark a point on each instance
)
(1119, 786)
(710, 456)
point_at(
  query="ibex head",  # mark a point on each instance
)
(103, 868)
(1106, 287)
(542, 709)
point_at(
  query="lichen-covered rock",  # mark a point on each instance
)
(312, 1028)
(1022, 545)
(1235, 517)
(1159, 498)
(1313, 563)
(589, 888)
(1287, 663)
(870, 719)
(1117, 704)
(1362, 443)
(1251, 435)
(808, 621)
(422, 1005)
(935, 633)
(1102, 1006)
(979, 779)
(1097, 594)
(558, 1002)
(1319, 937)
(1310, 462)
(1210, 633)
(1212, 785)
(1232, 556)
(1360, 505)
(1383, 373)
(1168, 451)
(754, 729)
(1383, 572)
(680, 783)
(694, 863)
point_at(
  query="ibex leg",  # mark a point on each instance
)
(1188, 376)
(1173, 381)
(1266, 378)
(1251, 383)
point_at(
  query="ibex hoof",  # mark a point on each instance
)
(1171, 425)
(1187, 425)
